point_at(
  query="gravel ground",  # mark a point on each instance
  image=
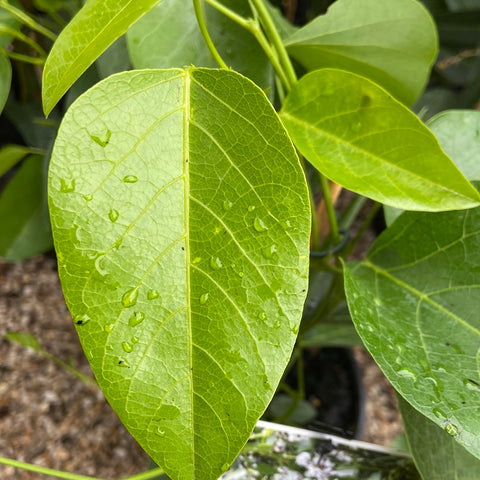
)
(50, 418)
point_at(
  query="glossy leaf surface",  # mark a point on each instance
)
(23, 213)
(392, 42)
(5, 79)
(182, 233)
(447, 459)
(95, 27)
(357, 135)
(415, 303)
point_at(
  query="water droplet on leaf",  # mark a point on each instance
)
(160, 432)
(225, 467)
(406, 372)
(216, 263)
(251, 208)
(472, 385)
(82, 319)
(123, 363)
(135, 339)
(262, 316)
(129, 298)
(258, 225)
(268, 252)
(204, 298)
(67, 186)
(136, 319)
(130, 179)
(241, 274)
(227, 205)
(88, 197)
(152, 294)
(276, 325)
(127, 347)
(439, 413)
(451, 429)
(113, 215)
(109, 328)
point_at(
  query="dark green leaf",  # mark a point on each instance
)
(95, 27)
(7, 19)
(361, 138)
(182, 234)
(5, 79)
(23, 213)
(437, 455)
(392, 42)
(10, 155)
(415, 303)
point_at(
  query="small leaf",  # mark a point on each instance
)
(415, 303)
(392, 42)
(437, 455)
(96, 26)
(361, 138)
(23, 213)
(24, 339)
(10, 155)
(5, 79)
(187, 324)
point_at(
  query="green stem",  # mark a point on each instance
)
(243, 22)
(27, 20)
(206, 35)
(70, 369)
(351, 212)
(23, 58)
(327, 198)
(71, 476)
(276, 40)
(20, 36)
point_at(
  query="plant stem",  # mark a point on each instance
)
(276, 40)
(243, 22)
(27, 20)
(151, 474)
(327, 198)
(23, 58)
(206, 35)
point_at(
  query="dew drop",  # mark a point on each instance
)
(276, 325)
(98, 265)
(251, 208)
(127, 347)
(262, 316)
(258, 225)
(67, 186)
(441, 368)
(123, 363)
(102, 142)
(241, 274)
(113, 215)
(451, 429)
(130, 179)
(153, 294)
(204, 298)
(295, 329)
(439, 413)
(129, 298)
(136, 319)
(225, 467)
(268, 252)
(227, 205)
(216, 263)
(81, 319)
(88, 197)
(135, 339)
(471, 385)
(406, 372)
(160, 432)
(109, 328)
(377, 302)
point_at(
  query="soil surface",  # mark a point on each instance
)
(50, 418)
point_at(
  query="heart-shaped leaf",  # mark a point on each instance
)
(95, 27)
(393, 42)
(360, 137)
(181, 223)
(415, 303)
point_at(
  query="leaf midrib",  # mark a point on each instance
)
(362, 151)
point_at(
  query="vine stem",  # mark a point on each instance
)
(206, 35)
(27, 20)
(151, 474)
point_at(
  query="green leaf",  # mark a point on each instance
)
(24, 339)
(436, 454)
(153, 42)
(96, 26)
(10, 155)
(182, 235)
(8, 20)
(393, 42)
(23, 213)
(361, 138)
(5, 79)
(458, 132)
(415, 303)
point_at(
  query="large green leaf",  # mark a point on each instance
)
(181, 222)
(357, 135)
(5, 79)
(393, 42)
(153, 42)
(23, 213)
(96, 26)
(437, 455)
(415, 303)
